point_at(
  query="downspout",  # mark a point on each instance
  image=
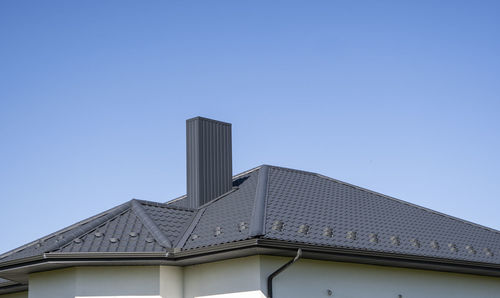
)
(281, 269)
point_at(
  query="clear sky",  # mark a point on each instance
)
(401, 97)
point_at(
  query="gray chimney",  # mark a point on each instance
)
(209, 160)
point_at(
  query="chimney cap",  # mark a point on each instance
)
(208, 119)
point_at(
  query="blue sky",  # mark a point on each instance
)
(401, 97)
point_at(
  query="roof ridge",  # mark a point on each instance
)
(195, 220)
(233, 178)
(80, 231)
(68, 228)
(112, 217)
(258, 217)
(150, 224)
(189, 228)
(235, 188)
(391, 198)
(165, 205)
(248, 171)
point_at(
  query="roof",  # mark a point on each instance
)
(304, 207)
(278, 205)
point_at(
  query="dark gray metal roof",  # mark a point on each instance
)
(171, 220)
(303, 207)
(60, 238)
(281, 205)
(319, 210)
(136, 226)
(226, 219)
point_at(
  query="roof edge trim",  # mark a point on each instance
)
(58, 255)
(13, 289)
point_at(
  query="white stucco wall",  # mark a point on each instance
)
(247, 278)
(110, 281)
(234, 278)
(52, 284)
(117, 281)
(171, 282)
(309, 278)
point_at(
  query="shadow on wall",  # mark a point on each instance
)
(249, 294)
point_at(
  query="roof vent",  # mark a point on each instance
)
(415, 242)
(149, 240)
(452, 247)
(395, 240)
(77, 240)
(209, 160)
(98, 234)
(218, 231)
(242, 226)
(113, 240)
(303, 229)
(277, 225)
(351, 235)
(470, 249)
(328, 232)
(373, 238)
(133, 234)
(435, 245)
(488, 252)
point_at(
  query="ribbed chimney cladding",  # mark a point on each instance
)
(209, 160)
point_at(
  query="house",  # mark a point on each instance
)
(266, 232)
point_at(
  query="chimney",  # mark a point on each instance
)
(209, 160)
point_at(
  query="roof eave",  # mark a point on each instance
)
(13, 289)
(254, 246)
(382, 258)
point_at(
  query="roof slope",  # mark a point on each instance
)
(279, 204)
(226, 219)
(136, 226)
(310, 208)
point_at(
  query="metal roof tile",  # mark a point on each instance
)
(282, 204)
(362, 219)
(226, 215)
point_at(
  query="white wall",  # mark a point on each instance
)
(171, 282)
(309, 278)
(247, 278)
(117, 281)
(52, 284)
(108, 281)
(238, 277)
